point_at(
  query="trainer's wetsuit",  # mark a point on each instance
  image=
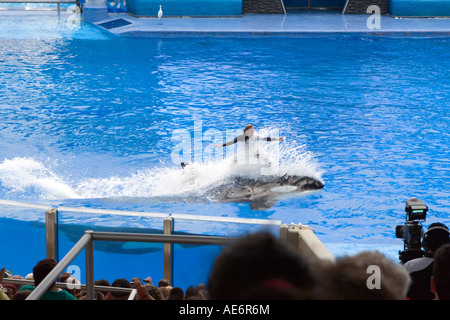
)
(246, 139)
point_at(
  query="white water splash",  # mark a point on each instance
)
(30, 177)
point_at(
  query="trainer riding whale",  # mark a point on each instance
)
(261, 190)
(251, 143)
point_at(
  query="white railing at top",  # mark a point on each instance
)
(58, 2)
(160, 215)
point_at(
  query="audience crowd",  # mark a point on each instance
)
(260, 266)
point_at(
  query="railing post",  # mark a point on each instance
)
(303, 240)
(51, 232)
(168, 251)
(283, 232)
(50, 279)
(90, 294)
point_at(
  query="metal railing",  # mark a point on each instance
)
(58, 2)
(301, 237)
(167, 227)
(87, 243)
(168, 221)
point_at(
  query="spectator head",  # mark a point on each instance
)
(42, 269)
(258, 260)
(64, 276)
(163, 283)
(119, 283)
(18, 277)
(440, 281)
(102, 282)
(192, 293)
(154, 292)
(176, 293)
(393, 273)
(203, 291)
(350, 278)
(436, 236)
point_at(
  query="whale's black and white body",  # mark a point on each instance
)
(262, 193)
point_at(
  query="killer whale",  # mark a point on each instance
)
(260, 192)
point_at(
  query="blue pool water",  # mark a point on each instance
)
(88, 120)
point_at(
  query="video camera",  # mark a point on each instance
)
(411, 232)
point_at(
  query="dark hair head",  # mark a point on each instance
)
(176, 293)
(436, 236)
(163, 283)
(42, 269)
(441, 272)
(102, 282)
(154, 292)
(64, 276)
(191, 291)
(121, 283)
(254, 259)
